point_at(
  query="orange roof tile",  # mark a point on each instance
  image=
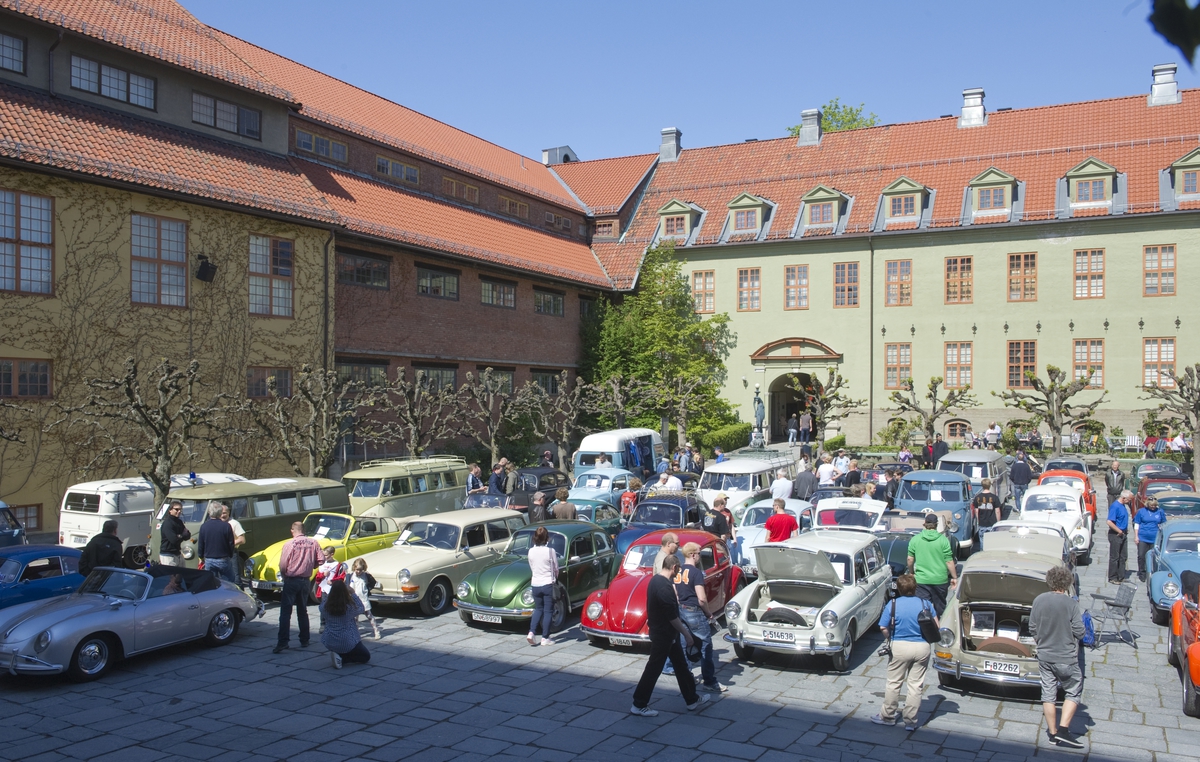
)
(384, 211)
(71, 136)
(357, 111)
(605, 184)
(160, 29)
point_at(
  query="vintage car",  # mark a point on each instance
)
(1175, 551)
(752, 530)
(1166, 469)
(985, 626)
(349, 536)
(399, 487)
(688, 482)
(662, 510)
(487, 500)
(1060, 545)
(815, 594)
(1077, 481)
(827, 491)
(1027, 540)
(878, 472)
(1153, 486)
(941, 491)
(536, 479)
(1063, 505)
(617, 615)
(12, 532)
(849, 513)
(895, 529)
(744, 477)
(1183, 641)
(434, 553)
(1179, 505)
(117, 613)
(36, 572)
(1066, 463)
(601, 513)
(501, 593)
(605, 484)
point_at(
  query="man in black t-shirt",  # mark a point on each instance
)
(714, 522)
(662, 614)
(986, 507)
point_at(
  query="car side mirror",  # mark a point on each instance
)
(114, 604)
(354, 536)
(464, 549)
(573, 560)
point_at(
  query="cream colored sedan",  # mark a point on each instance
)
(435, 552)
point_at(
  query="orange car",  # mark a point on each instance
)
(1183, 650)
(1077, 480)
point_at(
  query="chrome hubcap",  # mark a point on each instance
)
(93, 655)
(222, 625)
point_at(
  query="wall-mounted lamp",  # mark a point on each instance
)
(913, 330)
(1177, 323)
(1071, 325)
(207, 271)
(883, 330)
(745, 383)
(1106, 325)
(1141, 324)
(1039, 326)
(974, 328)
(1006, 327)
(943, 329)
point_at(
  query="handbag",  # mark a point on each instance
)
(929, 628)
(886, 648)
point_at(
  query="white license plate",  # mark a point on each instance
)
(489, 618)
(1003, 667)
(779, 636)
(258, 584)
(620, 642)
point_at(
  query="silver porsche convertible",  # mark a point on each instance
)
(117, 613)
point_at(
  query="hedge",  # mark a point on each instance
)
(728, 438)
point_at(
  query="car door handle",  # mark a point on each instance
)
(194, 606)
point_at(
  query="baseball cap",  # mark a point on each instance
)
(931, 520)
(539, 496)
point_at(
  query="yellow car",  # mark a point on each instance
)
(350, 536)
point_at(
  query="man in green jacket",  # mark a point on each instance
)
(931, 561)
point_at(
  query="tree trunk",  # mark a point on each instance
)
(562, 457)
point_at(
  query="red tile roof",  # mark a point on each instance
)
(56, 132)
(387, 212)
(1037, 146)
(357, 111)
(160, 29)
(605, 184)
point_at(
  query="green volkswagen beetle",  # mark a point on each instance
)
(601, 513)
(501, 592)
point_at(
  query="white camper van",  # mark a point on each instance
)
(636, 450)
(744, 477)
(85, 508)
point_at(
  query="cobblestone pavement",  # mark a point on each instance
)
(438, 690)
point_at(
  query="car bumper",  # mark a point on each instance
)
(496, 611)
(960, 671)
(17, 663)
(262, 584)
(801, 646)
(395, 597)
(635, 637)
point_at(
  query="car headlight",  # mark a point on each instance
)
(1078, 541)
(829, 619)
(403, 576)
(187, 551)
(527, 596)
(947, 637)
(463, 590)
(1170, 589)
(958, 515)
(594, 610)
(248, 569)
(732, 610)
(43, 640)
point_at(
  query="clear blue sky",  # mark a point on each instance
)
(605, 77)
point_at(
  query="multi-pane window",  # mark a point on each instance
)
(1189, 182)
(606, 229)
(795, 287)
(1159, 270)
(749, 289)
(960, 280)
(30, 516)
(1022, 359)
(159, 266)
(820, 214)
(25, 378)
(587, 307)
(439, 283)
(991, 198)
(502, 378)
(111, 82)
(957, 429)
(548, 380)
(1022, 277)
(257, 387)
(675, 225)
(555, 220)
(499, 294)
(704, 290)
(547, 303)
(270, 276)
(1089, 274)
(226, 116)
(1158, 362)
(1090, 190)
(745, 220)
(904, 206)
(321, 146)
(459, 189)
(1089, 357)
(958, 364)
(437, 377)
(358, 270)
(515, 208)
(12, 53)
(897, 364)
(845, 284)
(399, 170)
(898, 282)
(26, 243)
(362, 372)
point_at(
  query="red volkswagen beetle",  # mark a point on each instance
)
(618, 615)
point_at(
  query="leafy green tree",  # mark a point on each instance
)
(838, 117)
(1177, 22)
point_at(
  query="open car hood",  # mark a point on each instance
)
(1014, 542)
(1015, 586)
(782, 562)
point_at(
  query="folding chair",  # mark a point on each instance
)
(1116, 610)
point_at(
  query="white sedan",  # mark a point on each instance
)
(1062, 505)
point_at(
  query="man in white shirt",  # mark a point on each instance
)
(827, 472)
(239, 535)
(1179, 444)
(782, 486)
(842, 462)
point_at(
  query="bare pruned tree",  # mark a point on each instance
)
(826, 401)
(620, 397)
(416, 413)
(489, 405)
(1050, 400)
(10, 431)
(909, 402)
(556, 417)
(1179, 398)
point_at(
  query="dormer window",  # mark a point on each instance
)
(678, 219)
(905, 203)
(821, 214)
(1183, 175)
(747, 220)
(675, 225)
(1090, 190)
(749, 216)
(904, 206)
(824, 210)
(1092, 183)
(991, 198)
(1189, 181)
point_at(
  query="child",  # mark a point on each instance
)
(361, 584)
(330, 569)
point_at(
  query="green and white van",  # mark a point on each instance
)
(401, 487)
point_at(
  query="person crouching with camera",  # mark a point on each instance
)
(907, 650)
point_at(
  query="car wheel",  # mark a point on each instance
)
(93, 658)
(135, 557)
(745, 653)
(1172, 647)
(222, 628)
(560, 609)
(1159, 617)
(1085, 559)
(312, 594)
(437, 600)
(1191, 695)
(841, 660)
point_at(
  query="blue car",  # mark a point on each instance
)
(12, 532)
(662, 510)
(604, 484)
(1176, 550)
(941, 491)
(35, 572)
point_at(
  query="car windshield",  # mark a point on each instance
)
(444, 536)
(327, 527)
(118, 584)
(193, 511)
(1050, 503)
(757, 515)
(641, 557)
(482, 500)
(1157, 468)
(1183, 542)
(1066, 465)
(845, 517)
(970, 470)
(666, 514)
(1179, 506)
(365, 487)
(727, 482)
(592, 480)
(1157, 487)
(9, 571)
(933, 492)
(523, 539)
(1070, 481)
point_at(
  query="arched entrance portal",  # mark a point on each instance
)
(780, 360)
(783, 401)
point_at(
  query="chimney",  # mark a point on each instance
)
(559, 155)
(810, 127)
(973, 112)
(670, 148)
(1165, 89)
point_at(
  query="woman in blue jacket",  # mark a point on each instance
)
(1147, 520)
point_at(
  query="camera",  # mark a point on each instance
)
(885, 651)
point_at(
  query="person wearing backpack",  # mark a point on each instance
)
(629, 497)
(908, 655)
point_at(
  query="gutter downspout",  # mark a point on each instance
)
(325, 308)
(50, 61)
(871, 345)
